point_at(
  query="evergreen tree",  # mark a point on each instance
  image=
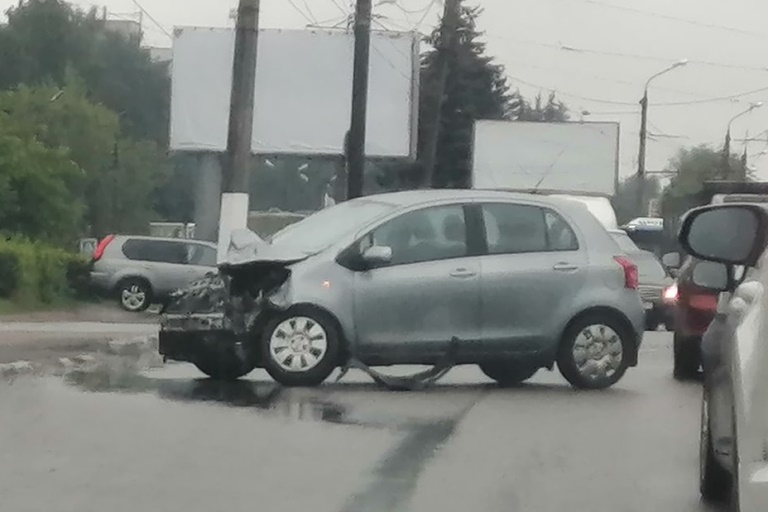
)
(476, 88)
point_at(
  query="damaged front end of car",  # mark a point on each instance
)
(215, 322)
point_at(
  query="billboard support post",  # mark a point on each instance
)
(234, 197)
(355, 149)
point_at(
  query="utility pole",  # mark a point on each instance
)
(446, 45)
(641, 154)
(355, 142)
(234, 197)
(726, 155)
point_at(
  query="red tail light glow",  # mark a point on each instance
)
(99, 251)
(630, 271)
(670, 293)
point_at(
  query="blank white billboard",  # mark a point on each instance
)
(303, 92)
(576, 157)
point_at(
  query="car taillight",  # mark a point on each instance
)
(670, 293)
(98, 252)
(630, 271)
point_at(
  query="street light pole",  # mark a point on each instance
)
(726, 157)
(644, 134)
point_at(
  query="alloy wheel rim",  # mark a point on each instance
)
(133, 298)
(298, 344)
(598, 352)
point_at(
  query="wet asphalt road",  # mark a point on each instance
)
(167, 440)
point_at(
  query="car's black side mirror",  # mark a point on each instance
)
(733, 234)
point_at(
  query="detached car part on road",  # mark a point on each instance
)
(734, 413)
(522, 281)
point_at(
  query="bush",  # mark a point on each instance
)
(32, 273)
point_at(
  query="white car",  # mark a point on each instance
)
(734, 413)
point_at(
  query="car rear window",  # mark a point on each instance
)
(157, 251)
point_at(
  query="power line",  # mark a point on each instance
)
(666, 60)
(660, 104)
(675, 18)
(309, 10)
(343, 11)
(152, 19)
(420, 11)
(602, 78)
(302, 13)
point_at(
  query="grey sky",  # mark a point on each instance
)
(527, 35)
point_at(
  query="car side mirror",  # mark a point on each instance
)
(734, 234)
(377, 255)
(711, 276)
(671, 261)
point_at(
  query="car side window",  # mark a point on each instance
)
(430, 234)
(560, 235)
(514, 228)
(155, 251)
(201, 255)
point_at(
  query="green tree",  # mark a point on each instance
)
(553, 110)
(625, 200)
(690, 168)
(47, 40)
(476, 88)
(119, 175)
(36, 183)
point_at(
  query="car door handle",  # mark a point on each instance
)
(463, 273)
(565, 267)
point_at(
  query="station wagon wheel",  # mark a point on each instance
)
(594, 352)
(135, 295)
(300, 347)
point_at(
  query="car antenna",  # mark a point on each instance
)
(549, 169)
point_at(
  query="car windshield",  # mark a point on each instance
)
(625, 243)
(320, 230)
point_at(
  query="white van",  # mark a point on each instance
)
(599, 206)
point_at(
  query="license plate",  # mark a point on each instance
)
(648, 305)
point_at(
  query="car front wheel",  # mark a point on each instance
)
(300, 347)
(594, 352)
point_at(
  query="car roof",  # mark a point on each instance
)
(164, 239)
(415, 197)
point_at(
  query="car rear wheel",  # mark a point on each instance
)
(714, 480)
(686, 356)
(507, 373)
(300, 347)
(594, 352)
(134, 295)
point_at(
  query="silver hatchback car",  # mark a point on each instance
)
(140, 270)
(523, 281)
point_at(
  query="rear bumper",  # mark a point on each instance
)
(692, 322)
(101, 282)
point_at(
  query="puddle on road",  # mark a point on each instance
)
(391, 481)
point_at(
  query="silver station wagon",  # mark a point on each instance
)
(522, 281)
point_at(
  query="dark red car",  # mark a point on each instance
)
(694, 308)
